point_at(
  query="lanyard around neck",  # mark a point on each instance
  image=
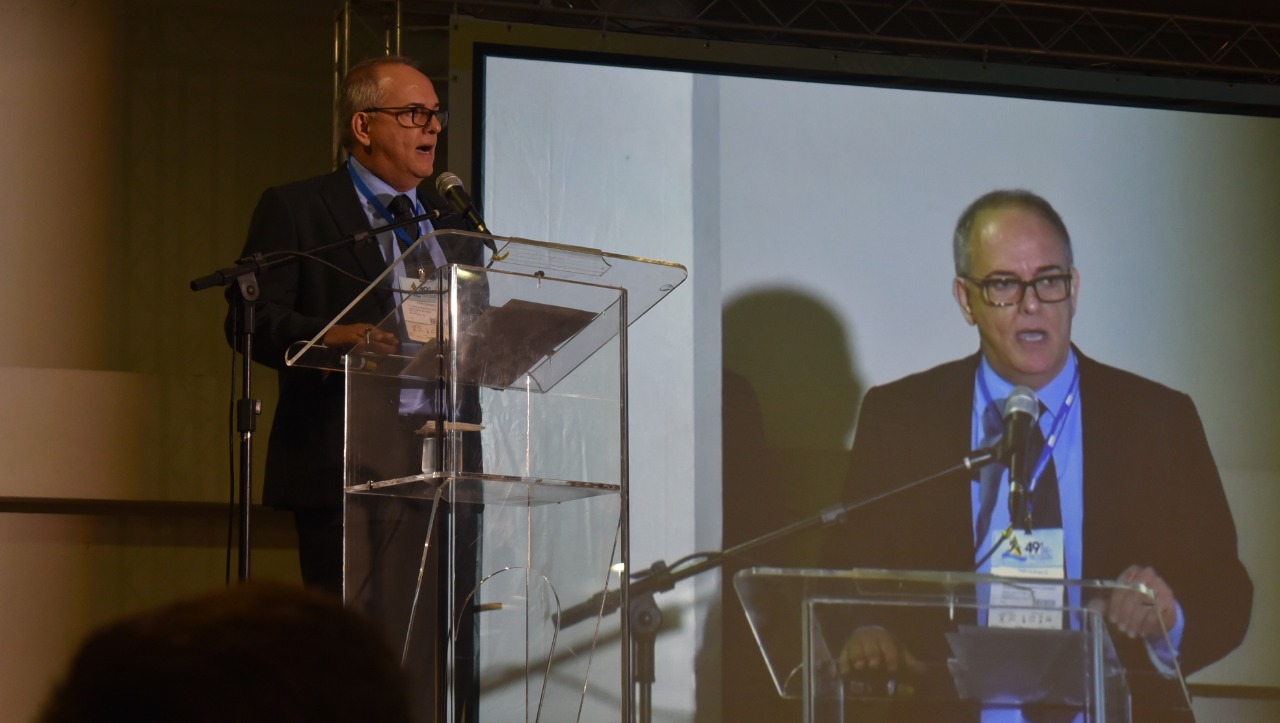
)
(1059, 419)
(380, 207)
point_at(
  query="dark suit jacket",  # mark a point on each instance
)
(304, 453)
(1152, 495)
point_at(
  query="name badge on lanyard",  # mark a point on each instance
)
(420, 306)
(1036, 556)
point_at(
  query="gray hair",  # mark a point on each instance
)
(360, 90)
(1004, 198)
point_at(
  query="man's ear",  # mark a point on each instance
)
(360, 128)
(1075, 289)
(961, 292)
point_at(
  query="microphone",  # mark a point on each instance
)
(450, 186)
(1021, 410)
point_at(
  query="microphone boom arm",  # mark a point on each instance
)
(660, 578)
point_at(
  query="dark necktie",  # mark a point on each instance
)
(401, 209)
(1045, 507)
(989, 476)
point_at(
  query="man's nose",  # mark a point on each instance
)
(1030, 302)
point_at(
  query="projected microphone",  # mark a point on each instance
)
(1021, 410)
(450, 186)
(1000, 451)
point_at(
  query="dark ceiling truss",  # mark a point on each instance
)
(1005, 31)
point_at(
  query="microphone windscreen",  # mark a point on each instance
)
(1023, 400)
(447, 181)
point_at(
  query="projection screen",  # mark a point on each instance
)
(815, 219)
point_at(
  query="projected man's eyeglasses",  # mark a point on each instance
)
(1009, 290)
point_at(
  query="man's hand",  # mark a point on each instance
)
(873, 649)
(345, 336)
(1134, 613)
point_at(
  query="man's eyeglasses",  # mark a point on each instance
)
(1009, 290)
(414, 116)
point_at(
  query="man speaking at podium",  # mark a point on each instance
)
(1120, 476)
(391, 124)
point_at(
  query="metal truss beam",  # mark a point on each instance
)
(1007, 31)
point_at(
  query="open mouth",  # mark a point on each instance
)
(1032, 336)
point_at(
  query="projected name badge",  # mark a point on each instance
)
(1035, 556)
(420, 311)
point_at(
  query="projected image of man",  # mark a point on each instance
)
(1124, 483)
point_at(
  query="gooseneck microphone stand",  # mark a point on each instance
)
(245, 297)
(646, 617)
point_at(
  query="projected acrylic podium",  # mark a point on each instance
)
(486, 471)
(801, 620)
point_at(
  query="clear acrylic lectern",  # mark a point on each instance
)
(985, 641)
(486, 469)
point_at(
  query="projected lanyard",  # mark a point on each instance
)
(1042, 463)
(1040, 555)
(1059, 421)
(437, 255)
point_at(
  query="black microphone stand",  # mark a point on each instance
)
(244, 276)
(644, 614)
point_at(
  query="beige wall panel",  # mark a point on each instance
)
(58, 154)
(79, 434)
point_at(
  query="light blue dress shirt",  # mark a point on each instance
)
(1068, 459)
(412, 401)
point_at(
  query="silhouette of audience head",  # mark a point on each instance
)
(256, 652)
